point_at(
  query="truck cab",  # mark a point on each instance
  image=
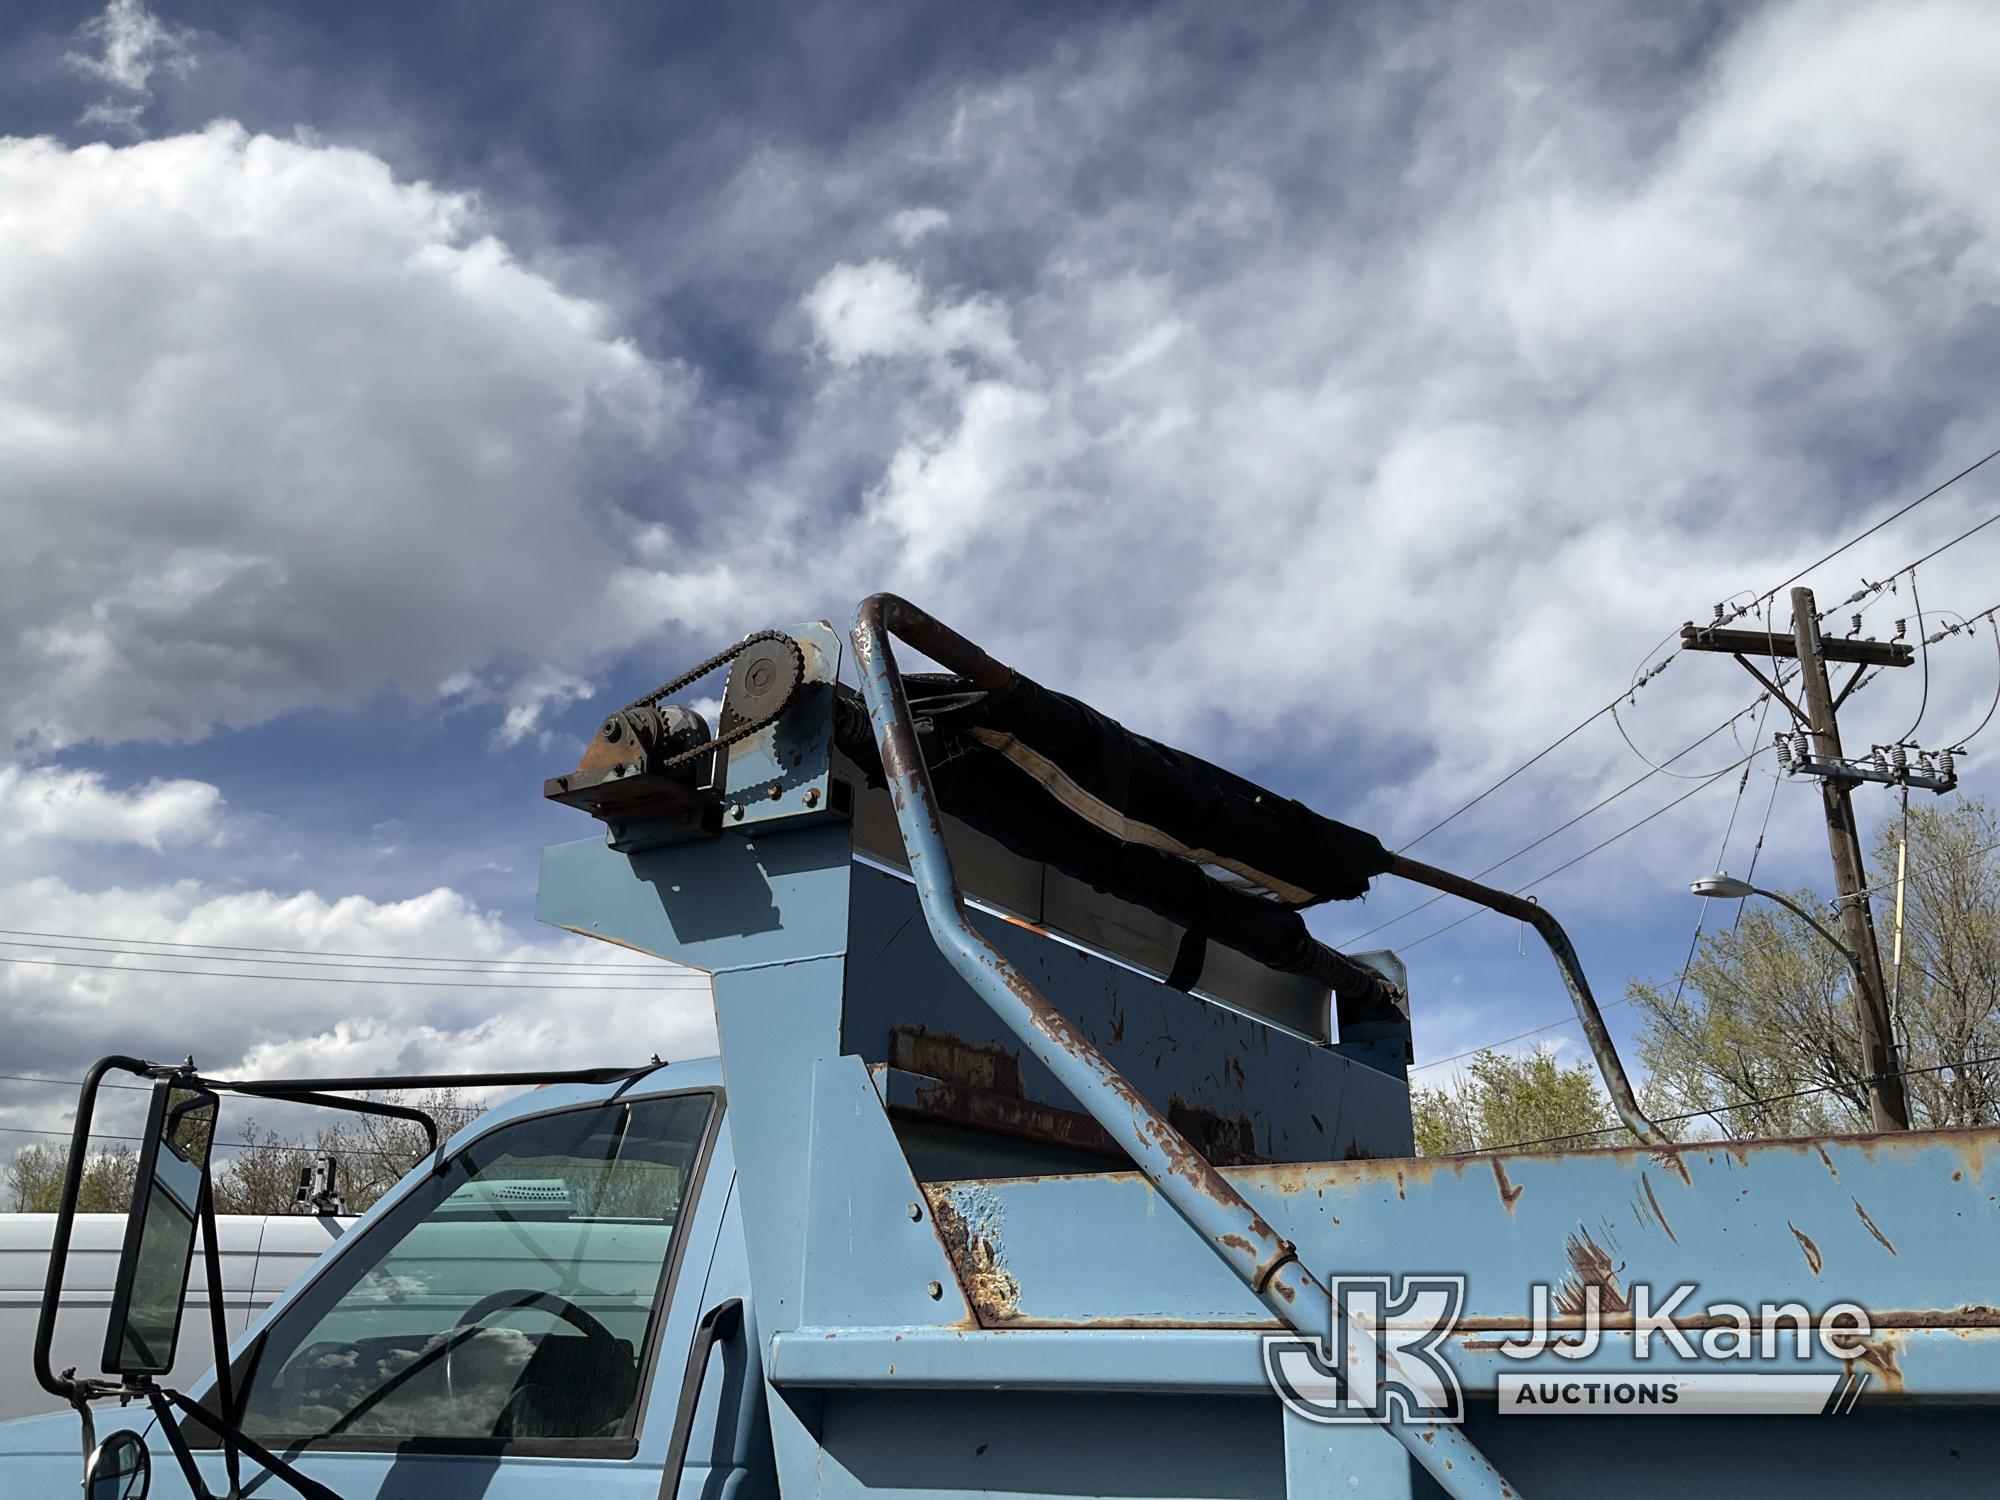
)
(523, 1306)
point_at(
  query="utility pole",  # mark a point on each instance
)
(1886, 1099)
(1819, 717)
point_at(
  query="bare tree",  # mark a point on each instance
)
(375, 1151)
(261, 1176)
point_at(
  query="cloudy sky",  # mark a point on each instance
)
(1363, 395)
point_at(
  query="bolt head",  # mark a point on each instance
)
(936, 1289)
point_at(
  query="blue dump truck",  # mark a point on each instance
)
(1048, 1154)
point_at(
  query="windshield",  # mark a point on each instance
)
(511, 1297)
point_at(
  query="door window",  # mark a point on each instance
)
(510, 1298)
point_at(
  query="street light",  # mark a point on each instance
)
(1726, 887)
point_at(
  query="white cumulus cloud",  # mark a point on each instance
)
(246, 1016)
(50, 803)
(282, 429)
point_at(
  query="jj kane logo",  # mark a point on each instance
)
(1383, 1359)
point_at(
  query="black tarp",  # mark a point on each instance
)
(1054, 780)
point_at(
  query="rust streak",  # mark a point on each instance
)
(1806, 1244)
(1590, 1267)
(1858, 1209)
(1673, 1160)
(1509, 1194)
(1647, 1183)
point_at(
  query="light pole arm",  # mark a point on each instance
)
(1853, 958)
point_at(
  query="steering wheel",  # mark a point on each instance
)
(603, 1342)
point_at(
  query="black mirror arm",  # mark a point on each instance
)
(66, 1385)
(422, 1120)
(218, 1326)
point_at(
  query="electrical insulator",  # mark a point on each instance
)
(1947, 766)
(1718, 614)
(1784, 747)
(1801, 748)
(1880, 760)
(1924, 760)
(1901, 627)
(1857, 624)
(1899, 758)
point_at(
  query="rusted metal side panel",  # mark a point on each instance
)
(1240, 1090)
(1904, 1226)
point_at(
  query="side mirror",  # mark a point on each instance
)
(167, 1196)
(119, 1468)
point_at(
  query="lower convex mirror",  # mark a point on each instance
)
(119, 1468)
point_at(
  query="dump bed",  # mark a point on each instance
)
(1062, 1174)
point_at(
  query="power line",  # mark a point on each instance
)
(1886, 520)
(1563, 827)
(668, 971)
(449, 984)
(1556, 744)
(1593, 849)
(1660, 666)
(413, 958)
(1991, 614)
(1957, 539)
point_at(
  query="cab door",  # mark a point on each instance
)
(513, 1326)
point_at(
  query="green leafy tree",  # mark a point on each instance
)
(1501, 1101)
(1762, 1039)
(35, 1179)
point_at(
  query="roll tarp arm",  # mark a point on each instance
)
(1056, 781)
(1551, 932)
(1235, 1231)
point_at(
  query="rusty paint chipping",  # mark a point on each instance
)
(1880, 1358)
(1647, 1183)
(1871, 1227)
(990, 1287)
(1805, 1243)
(1509, 1194)
(1590, 1267)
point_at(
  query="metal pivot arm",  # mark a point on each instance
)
(1266, 1263)
(1551, 933)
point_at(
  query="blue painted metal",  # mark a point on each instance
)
(1755, 1222)
(1282, 1097)
(1239, 1235)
